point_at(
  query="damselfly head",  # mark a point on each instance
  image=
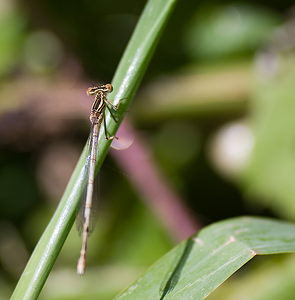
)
(106, 88)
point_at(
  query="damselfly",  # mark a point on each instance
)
(97, 115)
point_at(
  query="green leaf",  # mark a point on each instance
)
(196, 267)
(126, 80)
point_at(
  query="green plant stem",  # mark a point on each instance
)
(126, 80)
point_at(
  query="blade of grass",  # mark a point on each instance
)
(126, 80)
(197, 266)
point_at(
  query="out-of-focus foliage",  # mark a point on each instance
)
(12, 29)
(219, 32)
(271, 279)
(43, 52)
(270, 176)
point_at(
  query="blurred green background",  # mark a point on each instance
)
(214, 114)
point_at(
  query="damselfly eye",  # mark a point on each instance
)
(91, 91)
(109, 87)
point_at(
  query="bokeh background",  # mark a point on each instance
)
(211, 135)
